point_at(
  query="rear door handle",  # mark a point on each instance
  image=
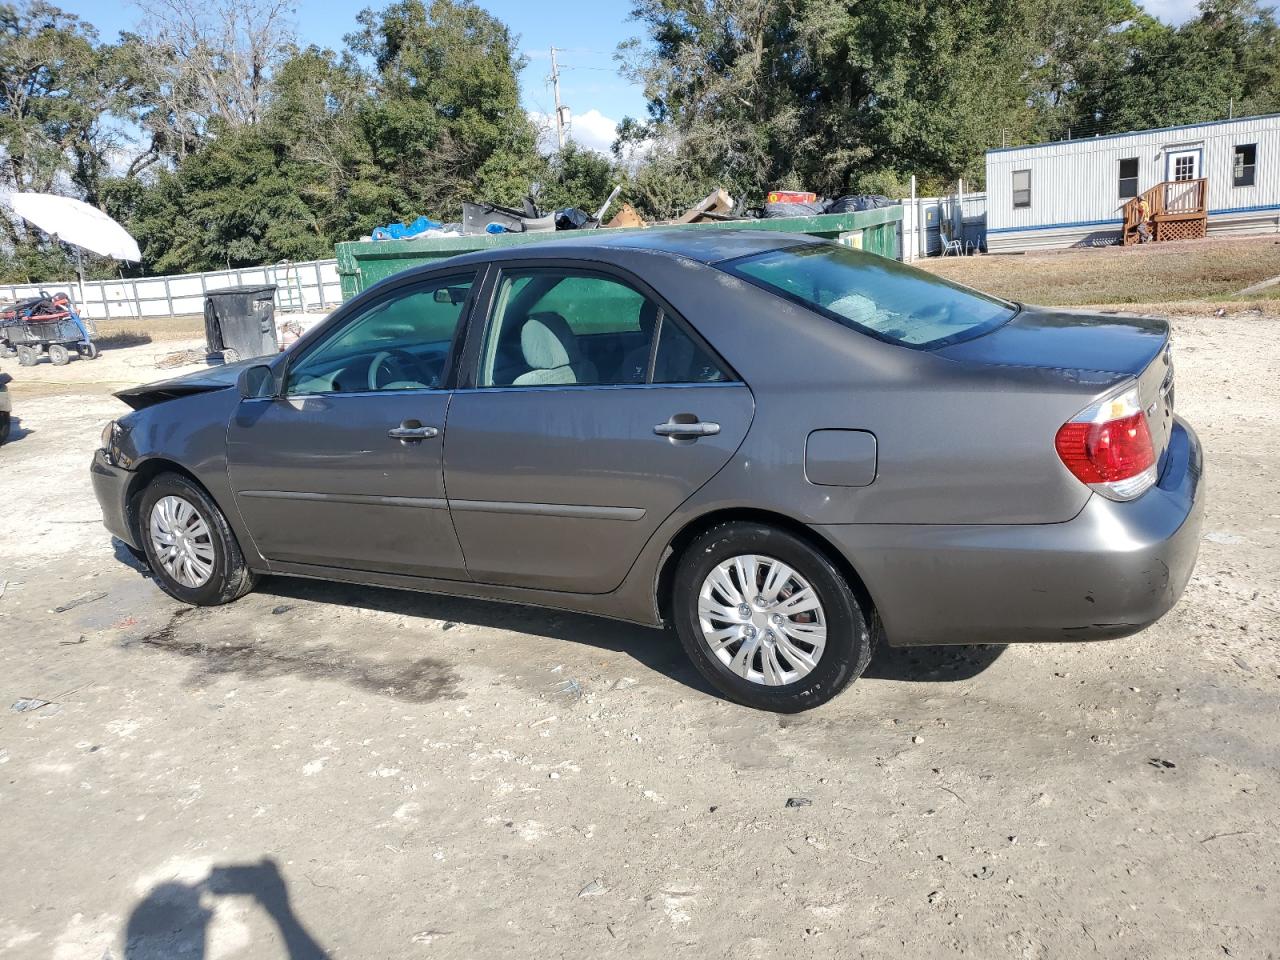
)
(410, 431)
(686, 431)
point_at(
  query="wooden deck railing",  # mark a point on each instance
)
(1178, 211)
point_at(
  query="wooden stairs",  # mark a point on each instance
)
(1179, 211)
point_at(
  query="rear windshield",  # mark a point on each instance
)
(874, 295)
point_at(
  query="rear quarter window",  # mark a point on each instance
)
(874, 295)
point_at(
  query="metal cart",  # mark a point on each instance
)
(32, 330)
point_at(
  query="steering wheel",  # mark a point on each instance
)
(398, 365)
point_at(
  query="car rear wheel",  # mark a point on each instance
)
(768, 619)
(189, 546)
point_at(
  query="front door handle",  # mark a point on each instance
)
(411, 431)
(689, 429)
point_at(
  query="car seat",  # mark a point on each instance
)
(552, 353)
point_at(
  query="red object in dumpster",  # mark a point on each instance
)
(790, 196)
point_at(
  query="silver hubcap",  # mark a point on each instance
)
(762, 620)
(182, 542)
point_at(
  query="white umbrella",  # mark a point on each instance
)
(79, 224)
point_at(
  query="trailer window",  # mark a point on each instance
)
(1022, 188)
(1243, 165)
(1128, 178)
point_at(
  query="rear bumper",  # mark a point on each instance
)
(111, 487)
(1111, 571)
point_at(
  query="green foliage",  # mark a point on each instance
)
(445, 123)
(578, 178)
(838, 97)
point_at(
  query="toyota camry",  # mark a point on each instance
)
(786, 449)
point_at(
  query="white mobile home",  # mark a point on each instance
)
(1073, 192)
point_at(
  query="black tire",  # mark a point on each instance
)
(231, 578)
(5, 426)
(851, 630)
(88, 350)
(59, 355)
(28, 356)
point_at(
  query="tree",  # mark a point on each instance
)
(445, 122)
(577, 177)
(1227, 58)
(60, 92)
(205, 62)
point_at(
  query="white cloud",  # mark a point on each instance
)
(591, 130)
(1170, 11)
(594, 131)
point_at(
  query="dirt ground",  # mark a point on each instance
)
(326, 771)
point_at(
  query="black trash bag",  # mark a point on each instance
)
(856, 202)
(773, 211)
(573, 218)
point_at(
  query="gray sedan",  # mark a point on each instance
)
(786, 449)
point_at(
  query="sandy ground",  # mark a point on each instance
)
(334, 771)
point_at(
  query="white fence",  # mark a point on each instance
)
(313, 285)
(966, 220)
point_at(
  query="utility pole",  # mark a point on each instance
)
(561, 110)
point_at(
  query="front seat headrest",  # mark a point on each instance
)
(547, 342)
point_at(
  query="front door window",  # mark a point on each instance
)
(400, 343)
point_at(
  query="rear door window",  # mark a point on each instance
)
(566, 327)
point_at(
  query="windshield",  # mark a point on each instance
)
(874, 295)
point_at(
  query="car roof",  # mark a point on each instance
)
(703, 244)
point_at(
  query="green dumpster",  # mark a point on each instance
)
(362, 264)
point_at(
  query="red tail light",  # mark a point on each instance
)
(1108, 446)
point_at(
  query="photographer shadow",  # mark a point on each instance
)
(174, 918)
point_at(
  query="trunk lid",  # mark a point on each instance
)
(1123, 344)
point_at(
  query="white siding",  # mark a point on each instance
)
(1075, 184)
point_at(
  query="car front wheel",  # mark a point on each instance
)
(189, 546)
(768, 619)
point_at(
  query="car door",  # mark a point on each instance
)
(344, 468)
(592, 412)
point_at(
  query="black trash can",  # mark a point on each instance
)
(240, 322)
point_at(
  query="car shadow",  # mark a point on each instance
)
(174, 918)
(656, 649)
(130, 559)
(932, 664)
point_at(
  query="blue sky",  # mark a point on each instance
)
(588, 31)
